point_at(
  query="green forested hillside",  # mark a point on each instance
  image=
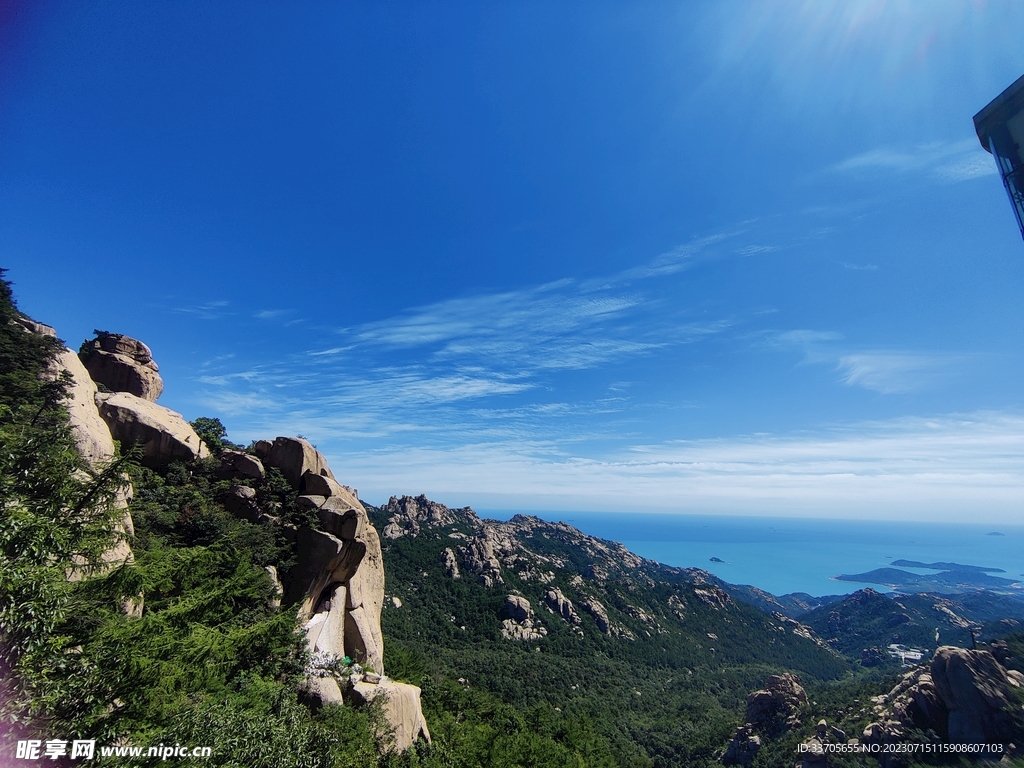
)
(670, 692)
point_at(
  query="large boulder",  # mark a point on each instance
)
(122, 364)
(163, 434)
(775, 708)
(294, 457)
(974, 688)
(315, 484)
(238, 465)
(240, 500)
(401, 708)
(518, 608)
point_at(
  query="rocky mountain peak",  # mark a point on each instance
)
(408, 515)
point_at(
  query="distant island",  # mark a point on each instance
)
(955, 577)
(994, 533)
(716, 560)
(946, 566)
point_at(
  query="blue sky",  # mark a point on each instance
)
(735, 257)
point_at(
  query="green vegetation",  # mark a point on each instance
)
(210, 658)
(670, 697)
(210, 661)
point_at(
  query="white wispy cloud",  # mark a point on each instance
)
(892, 372)
(751, 250)
(946, 161)
(212, 310)
(861, 267)
(908, 468)
(886, 371)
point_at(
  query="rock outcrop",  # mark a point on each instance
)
(31, 325)
(562, 605)
(95, 445)
(448, 562)
(975, 688)
(408, 514)
(294, 457)
(519, 622)
(771, 711)
(338, 579)
(91, 434)
(963, 697)
(402, 709)
(713, 597)
(122, 364)
(743, 747)
(239, 465)
(163, 435)
(480, 559)
(775, 708)
(598, 612)
(815, 750)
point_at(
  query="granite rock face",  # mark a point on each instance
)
(95, 445)
(91, 434)
(409, 513)
(402, 709)
(294, 457)
(562, 605)
(338, 580)
(519, 622)
(122, 364)
(964, 696)
(776, 707)
(32, 326)
(450, 565)
(238, 465)
(974, 687)
(743, 747)
(771, 711)
(163, 434)
(598, 612)
(480, 558)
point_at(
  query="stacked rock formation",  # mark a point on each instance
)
(122, 364)
(338, 582)
(338, 579)
(771, 711)
(95, 445)
(520, 622)
(963, 696)
(125, 369)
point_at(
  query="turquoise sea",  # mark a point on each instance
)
(783, 555)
